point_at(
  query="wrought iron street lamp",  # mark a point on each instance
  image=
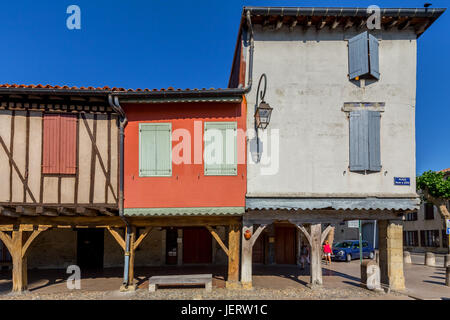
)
(263, 110)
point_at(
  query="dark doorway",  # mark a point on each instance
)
(171, 246)
(285, 245)
(258, 249)
(197, 245)
(90, 245)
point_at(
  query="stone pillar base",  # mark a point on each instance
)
(233, 285)
(129, 288)
(247, 285)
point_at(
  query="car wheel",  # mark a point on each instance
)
(371, 255)
(349, 258)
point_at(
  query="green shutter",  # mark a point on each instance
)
(155, 149)
(220, 148)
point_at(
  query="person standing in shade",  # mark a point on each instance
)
(304, 255)
(327, 252)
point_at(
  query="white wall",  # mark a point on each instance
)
(307, 87)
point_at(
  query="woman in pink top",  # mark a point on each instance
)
(327, 251)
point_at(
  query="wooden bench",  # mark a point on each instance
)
(190, 279)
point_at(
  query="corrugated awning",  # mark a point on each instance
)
(332, 203)
(197, 211)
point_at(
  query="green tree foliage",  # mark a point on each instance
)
(435, 188)
(435, 184)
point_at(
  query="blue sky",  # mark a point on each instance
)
(157, 44)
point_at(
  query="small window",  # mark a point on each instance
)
(444, 239)
(155, 149)
(220, 148)
(429, 211)
(429, 238)
(363, 57)
(365, 154)
(59, 144)
(412, 216)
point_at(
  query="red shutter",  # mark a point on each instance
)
(68, 144)
(60, 148)
(51, 143)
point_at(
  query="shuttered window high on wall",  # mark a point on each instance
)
(155, 149)
(59, 144)
(220, 148)
(365, 152)
(363, 57)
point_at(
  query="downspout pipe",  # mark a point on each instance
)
(115, 105)
(250, 58)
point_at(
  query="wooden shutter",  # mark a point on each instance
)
(374, 57)
(358, 53)
(359, 159)
(374, 140)
(51, 144)
(155, 149)
(68, 144)
(226, 146)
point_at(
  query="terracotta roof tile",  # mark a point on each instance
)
(105, 88)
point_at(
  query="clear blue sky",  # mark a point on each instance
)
(160, 43)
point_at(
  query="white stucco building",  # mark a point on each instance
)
(340, 144)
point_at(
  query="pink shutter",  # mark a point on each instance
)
(51, 144)
(68, 144)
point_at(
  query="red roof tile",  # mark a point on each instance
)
(106, 88)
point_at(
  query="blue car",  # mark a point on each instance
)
(348, 250)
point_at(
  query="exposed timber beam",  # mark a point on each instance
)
(335, 23)
(348, 23)
(218, 239)
(321, 23)
(404, 25)
(293, 24)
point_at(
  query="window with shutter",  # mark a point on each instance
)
(59, 144)
(365, 141)
(363, 57)
(220, 155)
(155, 149)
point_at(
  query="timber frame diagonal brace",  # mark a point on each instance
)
(219, 240)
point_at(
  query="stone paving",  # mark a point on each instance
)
(341, 281)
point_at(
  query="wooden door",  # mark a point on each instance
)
(90, 246)
(258, 250)
(197, 245)
(285, 245)
(171, 246)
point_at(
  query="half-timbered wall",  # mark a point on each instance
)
(95, 180)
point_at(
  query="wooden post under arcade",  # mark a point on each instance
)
(316, 255)
(18, 244)
(134, 244)
(247, 252)
(234, 239)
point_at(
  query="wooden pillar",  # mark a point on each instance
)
(316, 255)
(18, 245)
(132, 252)
(19, 272)
(246, 260)
(247, 252)
(390, 243)
(234, 239)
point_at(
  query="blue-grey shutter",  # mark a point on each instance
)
(359, 155)
(155, 149)
(374, 141)
(228, 145)
(374, 57)
(358, 53)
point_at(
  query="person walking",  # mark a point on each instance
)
(304, 255)
(327, 252)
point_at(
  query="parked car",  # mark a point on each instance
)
(348, 250)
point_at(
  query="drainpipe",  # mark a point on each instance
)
(252, 49)
(114, 103)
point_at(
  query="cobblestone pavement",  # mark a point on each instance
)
(217, 294)
(341, 281)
